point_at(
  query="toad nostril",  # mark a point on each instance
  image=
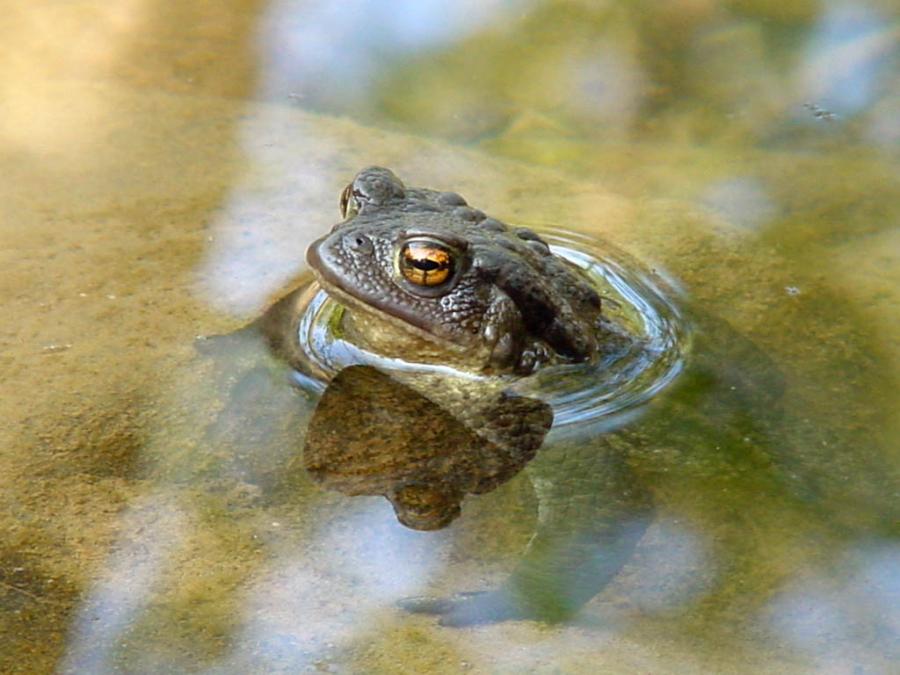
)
(358, 242)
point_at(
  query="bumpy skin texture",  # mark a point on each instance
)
(508, 297)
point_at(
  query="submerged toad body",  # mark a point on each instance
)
(433, 275)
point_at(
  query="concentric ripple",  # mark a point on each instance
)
(647, 356)
(611, 390)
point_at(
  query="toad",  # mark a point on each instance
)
(423, 273)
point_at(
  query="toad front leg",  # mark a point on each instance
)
(504, 335)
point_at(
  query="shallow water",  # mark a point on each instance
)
(167, 168)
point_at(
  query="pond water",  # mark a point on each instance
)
(167, 165)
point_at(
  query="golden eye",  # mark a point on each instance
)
(426, 263)
(349, 205)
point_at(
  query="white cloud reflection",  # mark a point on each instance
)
(258, 238)
(677, 567)
(607, 86)
(670, 570)
(851, 54)
(333, 50)
(829, 619)
(743, 202)
(152, 530)
(313, 606)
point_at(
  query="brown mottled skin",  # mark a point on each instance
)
(509, 305)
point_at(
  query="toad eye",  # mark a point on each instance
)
(349, 203)
(426, 263)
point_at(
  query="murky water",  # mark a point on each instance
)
(166, 168)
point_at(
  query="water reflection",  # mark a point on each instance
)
(816, 613)
(371, 434)
(308, 610)
(333, 55)
(852, 55)
(157, 528)
(741, 202)
(131, 138)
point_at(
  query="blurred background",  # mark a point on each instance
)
(165, 166)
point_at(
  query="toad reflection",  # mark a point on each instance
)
(373, 435)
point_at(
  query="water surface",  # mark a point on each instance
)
(166, 168)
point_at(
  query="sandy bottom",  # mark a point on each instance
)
(130, 544)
